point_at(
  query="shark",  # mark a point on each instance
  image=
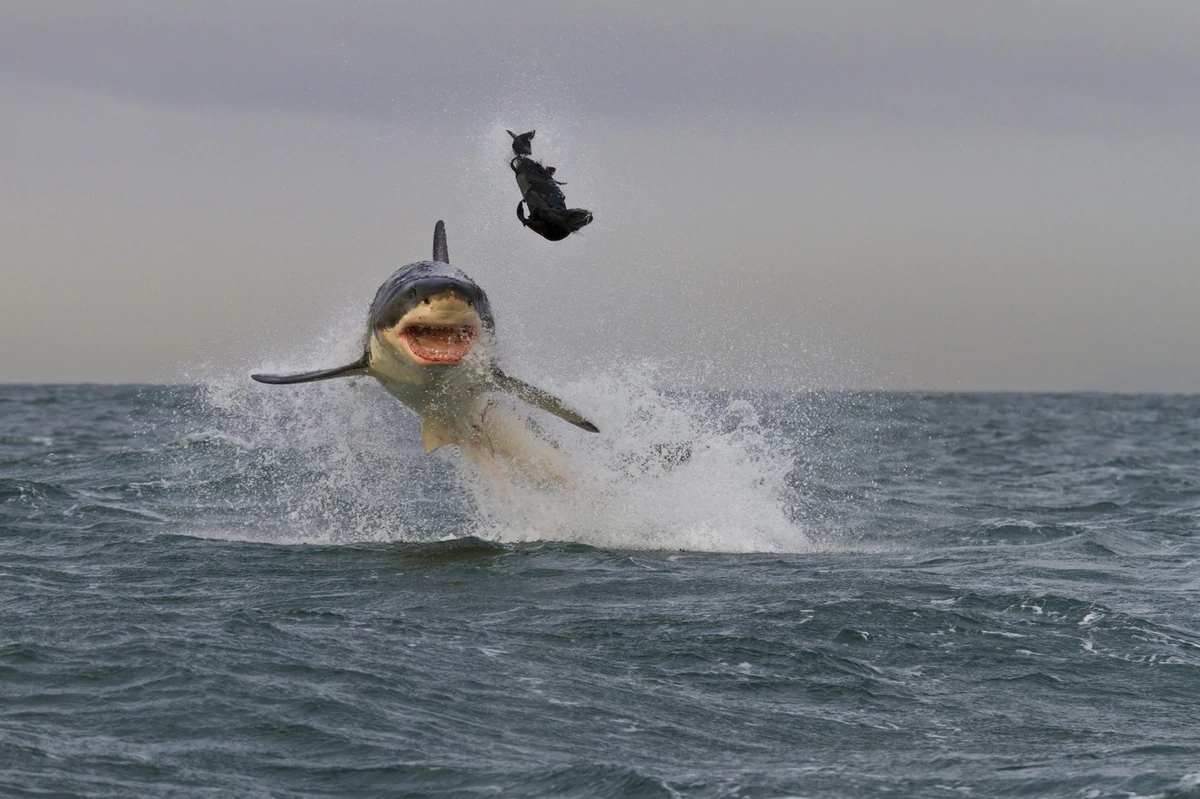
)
(430, 341)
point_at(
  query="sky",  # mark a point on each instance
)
(917, 195)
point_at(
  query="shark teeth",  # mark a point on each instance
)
(444, 344)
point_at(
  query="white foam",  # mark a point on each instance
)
(728, 495)
(339, 462)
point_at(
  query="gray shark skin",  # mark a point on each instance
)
(430, 343)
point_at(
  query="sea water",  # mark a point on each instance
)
(227, 589)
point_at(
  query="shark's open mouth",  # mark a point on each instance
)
(439, 344)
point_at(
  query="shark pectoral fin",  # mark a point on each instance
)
(359, 367)
(540, 399)
(433, 436)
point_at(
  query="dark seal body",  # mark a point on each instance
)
(549, 215)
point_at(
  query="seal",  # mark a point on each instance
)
(549, 215)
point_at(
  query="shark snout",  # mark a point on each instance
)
(448, 305)
(440, 329)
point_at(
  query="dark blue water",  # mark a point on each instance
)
(225, 591)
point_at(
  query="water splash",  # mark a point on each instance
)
(668, 471)
(340, 462)
(321, 463)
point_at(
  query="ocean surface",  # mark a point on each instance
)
(238, 590)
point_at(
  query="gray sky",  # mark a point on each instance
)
(877, 194)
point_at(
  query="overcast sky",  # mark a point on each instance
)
(947, 195)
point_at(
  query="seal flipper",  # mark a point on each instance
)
(359, 367)
(540, 399)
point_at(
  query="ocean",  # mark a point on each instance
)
(236, 590)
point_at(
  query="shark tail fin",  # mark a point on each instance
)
(359, 367)
(541, 399)
(440, 251)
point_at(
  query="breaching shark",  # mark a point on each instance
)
(430, 342)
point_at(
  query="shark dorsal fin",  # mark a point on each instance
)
(440, 251)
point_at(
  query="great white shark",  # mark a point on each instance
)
(430, 341)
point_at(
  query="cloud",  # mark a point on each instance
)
(1072, 66)
(918, 194)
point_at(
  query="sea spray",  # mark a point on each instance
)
(668, 471)
(325, 463)
(340, 462)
